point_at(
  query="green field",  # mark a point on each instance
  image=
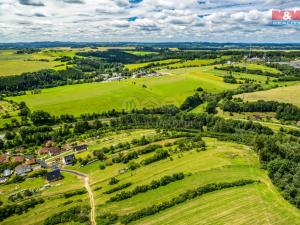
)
(288, 94)
(15, 64)
(172, 88)
(252, 66)
(221, 162)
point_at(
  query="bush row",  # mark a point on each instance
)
(118, 188)
(159, 155)
(73, 193)
(144, 188)
(190, 194)
(10, 210)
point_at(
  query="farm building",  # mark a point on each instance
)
(23, 169)
(69, 159)
(54, 175)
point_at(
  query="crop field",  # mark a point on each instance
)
(172, 88)
(221, 162)
(288, 94)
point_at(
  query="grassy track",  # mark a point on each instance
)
(127, 94)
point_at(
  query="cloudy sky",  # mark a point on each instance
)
(145, 20)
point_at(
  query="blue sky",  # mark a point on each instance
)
(144, 20)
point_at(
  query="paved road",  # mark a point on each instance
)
(88, 188)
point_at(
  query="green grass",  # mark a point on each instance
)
(200, 108)
(253, 204)
(171, 88)
(254, 66)
(288, 94)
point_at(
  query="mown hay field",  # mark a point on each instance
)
(290, 94)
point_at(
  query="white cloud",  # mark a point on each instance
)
(153, 20)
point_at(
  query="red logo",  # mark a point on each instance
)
(286, 15)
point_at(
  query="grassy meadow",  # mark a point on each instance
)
(172, 88)
(288, 94)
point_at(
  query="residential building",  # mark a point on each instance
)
(69, 159)
(80, 148)
(7, 172)
(53, 151)
(23, 169)
(54, 175)
(3, 180)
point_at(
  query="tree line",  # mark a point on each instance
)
(284, 111)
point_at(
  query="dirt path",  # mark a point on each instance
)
(89, 190)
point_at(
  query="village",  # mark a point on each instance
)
(48, 163)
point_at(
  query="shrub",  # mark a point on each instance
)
(78, 214)
(117, 188)
(106, 219)
(73, 193)
(113, 181)
(159, 155)
(102, 166)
